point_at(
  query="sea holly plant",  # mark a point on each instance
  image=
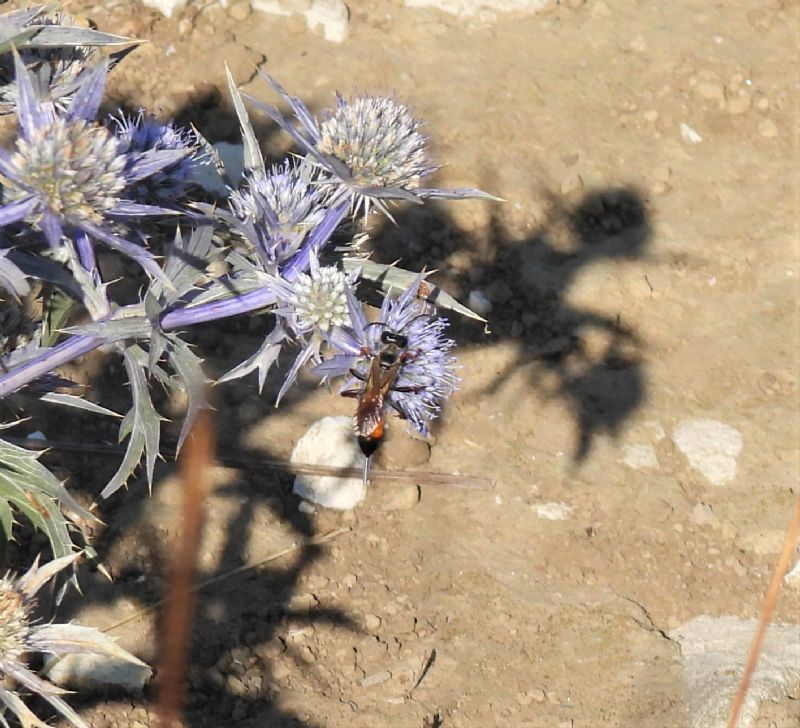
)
(286, 241)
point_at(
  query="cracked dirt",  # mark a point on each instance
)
(638, 279)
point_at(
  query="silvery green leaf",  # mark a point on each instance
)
(253, 159)
(228, 287)
(34, 266)
(71, 400)
(52, 36)
(145, 360)
(142, 425)
(75, 638)
(15, 37)
(29, 488)
(261, 361)
(187, 260)
(192, 379)
(11, 277)
(391, 278)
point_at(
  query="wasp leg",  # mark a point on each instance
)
(358, 375)
(352, 393)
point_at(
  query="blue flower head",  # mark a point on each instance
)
(142, 134)
(277, 212)
(369, 148)
(426, 377)
(69, 175)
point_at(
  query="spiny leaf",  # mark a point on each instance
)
(141, 424)
(71, 400)
(253, 159)
(193, 380)
(390, 277)
(29, 488)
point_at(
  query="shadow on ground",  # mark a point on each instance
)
(598, 360)
(240, 623)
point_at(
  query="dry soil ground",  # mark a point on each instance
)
(638, 280)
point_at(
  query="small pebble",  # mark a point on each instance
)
(768, 128)
(240, 11)
(710, 90)
(690, 135)
(703, 515)
(372, 622)
(639, 44)
(738, 103)
(571, 183)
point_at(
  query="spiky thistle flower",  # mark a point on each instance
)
(142, 133)
(308, 309)
(370, 147)
(276, 212)
(20, 635)
(426, 375)
(68, 173)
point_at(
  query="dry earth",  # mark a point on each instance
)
(638, 280)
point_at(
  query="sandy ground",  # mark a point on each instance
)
(639, 280)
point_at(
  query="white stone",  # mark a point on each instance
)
(553, 511)
(232, 157)
(332, 15)
(479, 302)
(711, 447)
(690, 135)
(640, 457)
(792, 577)
(330, 441)
(92, 672)
(165, 7)
(485, 8)
(714, 649)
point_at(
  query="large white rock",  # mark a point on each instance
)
(332, 15)
(711, 447)
(96, 673)
(330, 441)
(714, 649)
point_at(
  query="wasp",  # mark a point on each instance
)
(384, 368)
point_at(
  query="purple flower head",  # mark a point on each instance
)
(369, 147)
(426, 376)
(68, 174)
(278, 211)
(143, 133)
